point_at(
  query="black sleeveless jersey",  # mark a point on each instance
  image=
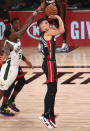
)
(48, 47)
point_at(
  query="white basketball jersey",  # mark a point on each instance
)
(16, 53)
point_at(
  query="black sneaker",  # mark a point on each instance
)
(6, 112)
(12, 105)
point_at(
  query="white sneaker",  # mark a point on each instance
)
(46, 122)
(52, 121)
(63, 45)
(64, 48)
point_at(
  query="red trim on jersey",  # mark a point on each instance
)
(50, 63)
(50, 72)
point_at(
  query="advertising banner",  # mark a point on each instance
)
(77, 24)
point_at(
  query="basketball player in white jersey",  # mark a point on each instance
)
(9, 95)
(12, 49)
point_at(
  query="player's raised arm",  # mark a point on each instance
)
(42, 6)
(56, 31)
(26, 25)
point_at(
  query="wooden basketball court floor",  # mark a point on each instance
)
(72, 100)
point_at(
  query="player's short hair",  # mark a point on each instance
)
(7, 32)
(40, 21)
(14, 19)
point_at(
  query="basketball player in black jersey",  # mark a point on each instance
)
(61, 6)
(49, 67)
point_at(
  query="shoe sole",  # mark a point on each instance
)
(7, 115)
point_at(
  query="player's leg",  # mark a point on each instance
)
(1, 94)
(7, 93)
(64, 47)
(4, 107)
(52, 87)
(6, 96)
(49, 103)
(6, 80)
(2, 81)
(18, 87)
(44, 118)
(8, 75)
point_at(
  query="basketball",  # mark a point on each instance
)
(51, 10)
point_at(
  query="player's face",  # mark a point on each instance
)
(44, 26)
(16, 25)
